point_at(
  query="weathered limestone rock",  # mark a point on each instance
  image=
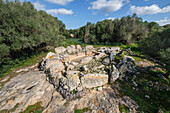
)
(114, 75)
(71, 49)
(114, 50)
(84, 68)
(86, 60)
(72, 80)
(97, 57)
(26, 89)
(60, 49)
(106, 61)
(127, 65)
(55, 78)
(49, 61)
(89, 47)
(70, 67)
(78, 47)
(74, 63)
(94, 80)
(49, 55)
(56, 67)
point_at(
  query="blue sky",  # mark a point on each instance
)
(76, 13)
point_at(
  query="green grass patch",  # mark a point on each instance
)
(123, 109)
(157, 98)
(36, 108)
(12, 65)
(74, 91)
(81, 110)
(74, 41)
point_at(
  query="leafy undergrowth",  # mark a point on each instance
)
(123, 109)
(21, 63)
(81, 110)
(36, 108)
(149, 98)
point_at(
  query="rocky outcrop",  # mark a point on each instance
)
(98, 100)
(127, 66)
(94, 80)
(78, 68)
(26, 89)
(72, 78)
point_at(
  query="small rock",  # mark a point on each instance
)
(100, 89)
(160, 111)
(115, 74)
(84, 68)
(74, 63)
(78, 47)
(86, 60)
(147, 96)
(106, 61)
(70, 67)
(89, 47)
(5, 79)
(60, 49)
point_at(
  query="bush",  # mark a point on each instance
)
(158, 45)
(24, 31)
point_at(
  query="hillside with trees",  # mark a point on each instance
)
(120, 65)
(152, 39)
(24, 31)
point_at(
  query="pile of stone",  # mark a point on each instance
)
(76, 68)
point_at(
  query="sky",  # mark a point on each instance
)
(76, 13)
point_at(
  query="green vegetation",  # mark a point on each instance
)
(125, 30)
(81, 110)
(157, 98)
(36, 108)
(123, 109)
(74, 91)
(157, 45)
(24, 31)
(27, 35)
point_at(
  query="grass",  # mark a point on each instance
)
(74, 41)
(81, 110)
(74, 91)
(123, 109)
(21, 63)
(158, 99)
(36, 108)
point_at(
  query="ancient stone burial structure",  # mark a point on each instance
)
(76, 68)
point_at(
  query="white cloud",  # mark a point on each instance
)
(110, 18)
(59, 11)
(106, 15)
(106, 5)
(153, 9)
(61, 2)
(164, 21)
(39, 6)
(146, 0)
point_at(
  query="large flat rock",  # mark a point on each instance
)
(26, 89)
(94, 80)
